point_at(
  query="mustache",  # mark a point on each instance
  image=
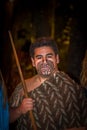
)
(44, 65)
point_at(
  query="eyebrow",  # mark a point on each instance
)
(50, 54)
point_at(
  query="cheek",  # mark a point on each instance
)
(35, 63)
(38, 64)
(54, 61)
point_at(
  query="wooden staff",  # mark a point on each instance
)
(22, 79)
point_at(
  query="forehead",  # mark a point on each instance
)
(43, 50)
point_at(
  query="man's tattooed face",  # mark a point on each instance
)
(45, 61)
(45, 69)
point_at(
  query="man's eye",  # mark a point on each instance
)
(49, 56)
(38, 57)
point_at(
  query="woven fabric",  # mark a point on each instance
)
(59, 103)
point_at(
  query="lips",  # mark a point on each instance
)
(45, 70)
(45, 67)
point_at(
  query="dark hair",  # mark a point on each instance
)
(43, 41)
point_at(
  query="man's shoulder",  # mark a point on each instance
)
(65, 78)
(21, 84)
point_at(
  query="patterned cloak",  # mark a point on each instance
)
(59, 103)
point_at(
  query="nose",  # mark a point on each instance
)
(44, 59)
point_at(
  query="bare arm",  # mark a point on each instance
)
(15, 113)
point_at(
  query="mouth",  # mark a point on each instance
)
(45, 70)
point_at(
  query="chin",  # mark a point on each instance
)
(46, 76)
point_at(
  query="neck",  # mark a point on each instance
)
(41, 79)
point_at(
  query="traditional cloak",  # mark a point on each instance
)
(59, 104)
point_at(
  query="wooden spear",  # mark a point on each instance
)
(22, 79)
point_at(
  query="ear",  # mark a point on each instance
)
(33, 64)
(57, 58)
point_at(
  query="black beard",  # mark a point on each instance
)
(45, 69)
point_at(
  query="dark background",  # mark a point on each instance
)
(64, 20)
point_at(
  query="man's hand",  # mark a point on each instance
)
(26, 105)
